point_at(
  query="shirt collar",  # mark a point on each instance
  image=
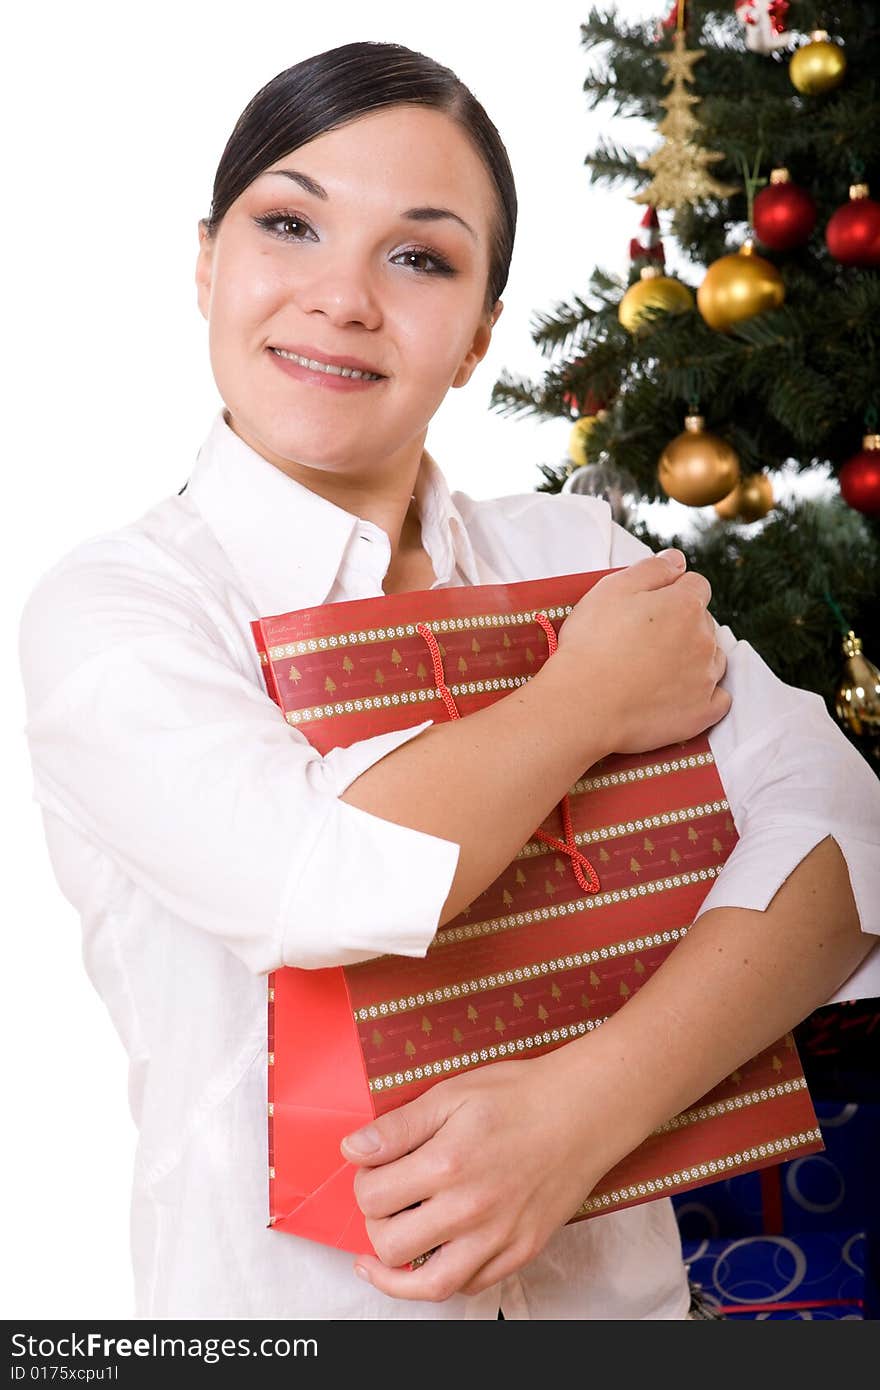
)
(286, 542)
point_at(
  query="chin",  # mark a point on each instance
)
(322, 446)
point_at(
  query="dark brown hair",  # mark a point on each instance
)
(334, 87)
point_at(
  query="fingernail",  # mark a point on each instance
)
(361, 1273)
(673, 557)
(365, 1141)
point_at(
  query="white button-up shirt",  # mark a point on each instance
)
(204, 843)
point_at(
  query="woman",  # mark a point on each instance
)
(350, 273)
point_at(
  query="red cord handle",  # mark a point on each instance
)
(568, 846)
(789, 1305)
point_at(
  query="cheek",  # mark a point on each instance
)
(247, 285)
(434, 336)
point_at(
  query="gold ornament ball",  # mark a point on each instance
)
(857, 699)
(819, 66)
(653, 291)
(751, 499)
(738, 287)
(697, 467)
(577, 440)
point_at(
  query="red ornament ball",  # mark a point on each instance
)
(784, 214)
(590, 404)
(860, 477)
(853, 231)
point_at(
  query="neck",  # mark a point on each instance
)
(385, 496)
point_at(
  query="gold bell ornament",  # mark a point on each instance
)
(738, 287)
(580, 433)
(652, 291)
(857, 698)
(819, 66)
(697, 467)
(749, 501)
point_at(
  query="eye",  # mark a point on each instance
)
(439, 265)
(422, 259)
(270, 220)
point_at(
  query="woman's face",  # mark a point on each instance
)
(377, 252)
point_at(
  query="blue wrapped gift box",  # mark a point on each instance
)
(803, 1232)
(818, 1276)
(832, 1191)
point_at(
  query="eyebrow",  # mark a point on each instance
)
(427, 214)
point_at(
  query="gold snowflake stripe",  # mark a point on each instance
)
(403, 697)
(725, 1107)
(535, 848)
(464, 1060)
(667, 1182)
(635, 774)
(388, 634)
(558, 966)
(468, 932)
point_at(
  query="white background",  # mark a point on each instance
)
(115, 117)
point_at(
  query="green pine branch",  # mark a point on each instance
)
(516, 395)
(557, 329)
(612, 165)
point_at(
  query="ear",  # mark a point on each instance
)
(479, 347)
(203, 268)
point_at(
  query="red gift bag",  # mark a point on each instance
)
(581, 917)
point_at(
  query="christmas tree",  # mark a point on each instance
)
(764, 178)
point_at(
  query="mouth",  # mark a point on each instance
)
(350, 369)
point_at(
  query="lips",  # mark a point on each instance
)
(329, 359)
(324, 377)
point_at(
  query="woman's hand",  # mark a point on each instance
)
(641, 640)
(485, 1166)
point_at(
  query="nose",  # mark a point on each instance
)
(341, 287)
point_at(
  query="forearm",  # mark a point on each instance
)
(488, 781)
(738, 981)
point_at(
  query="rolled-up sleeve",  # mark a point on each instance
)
(792, 778)
(146, 737)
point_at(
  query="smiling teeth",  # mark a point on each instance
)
(325, 366)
